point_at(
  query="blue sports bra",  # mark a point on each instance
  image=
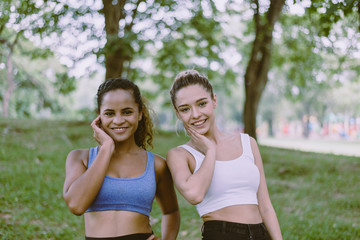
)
(126, 194)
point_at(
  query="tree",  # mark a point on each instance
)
(312, 63)
(19, 19)
(256, 75)
(164, 34)
(123, 42)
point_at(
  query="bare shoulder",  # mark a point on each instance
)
(78, 156)
(177, 152)
(253, 143)
(179, 158)
(160, 162)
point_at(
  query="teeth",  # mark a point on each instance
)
(198, 123)
(121, 129)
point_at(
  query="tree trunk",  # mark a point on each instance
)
(118, 50)
(114, 59)
(259, 63)
(11, 86)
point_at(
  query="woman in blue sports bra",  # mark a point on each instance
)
(115, 183)
(221, 174)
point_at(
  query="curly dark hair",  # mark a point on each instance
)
(144, 132)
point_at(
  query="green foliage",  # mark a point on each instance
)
(195, 42)
(36, 88)
(64, 83)
(40, 19)
(315, 195)
(330, 12)
(298, 55)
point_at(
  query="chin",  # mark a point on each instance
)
(203, 131)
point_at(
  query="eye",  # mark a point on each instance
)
(127, 112)
(108, 113)
(184, 110)
(202, 104)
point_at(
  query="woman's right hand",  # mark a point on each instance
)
(99, 134)
(202, 142)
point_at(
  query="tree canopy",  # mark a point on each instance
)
(232, 42)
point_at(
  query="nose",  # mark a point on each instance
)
(118, 119)
(195, 112)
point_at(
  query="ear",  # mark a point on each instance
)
(215, 100)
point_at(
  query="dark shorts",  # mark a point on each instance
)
(137, 236)
(218, 230)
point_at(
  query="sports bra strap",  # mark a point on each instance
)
(92, 154)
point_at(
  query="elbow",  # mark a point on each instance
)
(195, 197)
(74, 208)
(195, 200)
(76, 211)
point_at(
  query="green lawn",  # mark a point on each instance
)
(316, 196)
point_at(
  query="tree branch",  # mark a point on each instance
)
(129, 27)
(257, 14)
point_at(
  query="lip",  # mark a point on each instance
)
(119, 130)
(199, 123)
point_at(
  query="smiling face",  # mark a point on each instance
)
(119, 114)
(195, 107)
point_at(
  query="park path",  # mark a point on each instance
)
(338, 147)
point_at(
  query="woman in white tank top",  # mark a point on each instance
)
(221, 174)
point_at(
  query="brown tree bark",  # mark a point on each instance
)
(116, 52)
(114, 61)
(259, 63)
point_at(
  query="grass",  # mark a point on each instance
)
(316, 196)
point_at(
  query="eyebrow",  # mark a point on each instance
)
(112, 110)
(199, 100)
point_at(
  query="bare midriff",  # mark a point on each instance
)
(246, 213)
(115, 223)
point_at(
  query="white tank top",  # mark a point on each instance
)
(234, 182)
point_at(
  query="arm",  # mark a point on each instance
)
(167, 200)
(81, 184)
(193, 186)
(265, 206)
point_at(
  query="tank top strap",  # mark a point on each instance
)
(192, 150)
(198, 156)
(246, 145)
(92, 155)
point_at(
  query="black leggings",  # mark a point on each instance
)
(218, 230)
(136, 236)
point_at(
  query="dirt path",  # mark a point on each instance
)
(338, 147)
